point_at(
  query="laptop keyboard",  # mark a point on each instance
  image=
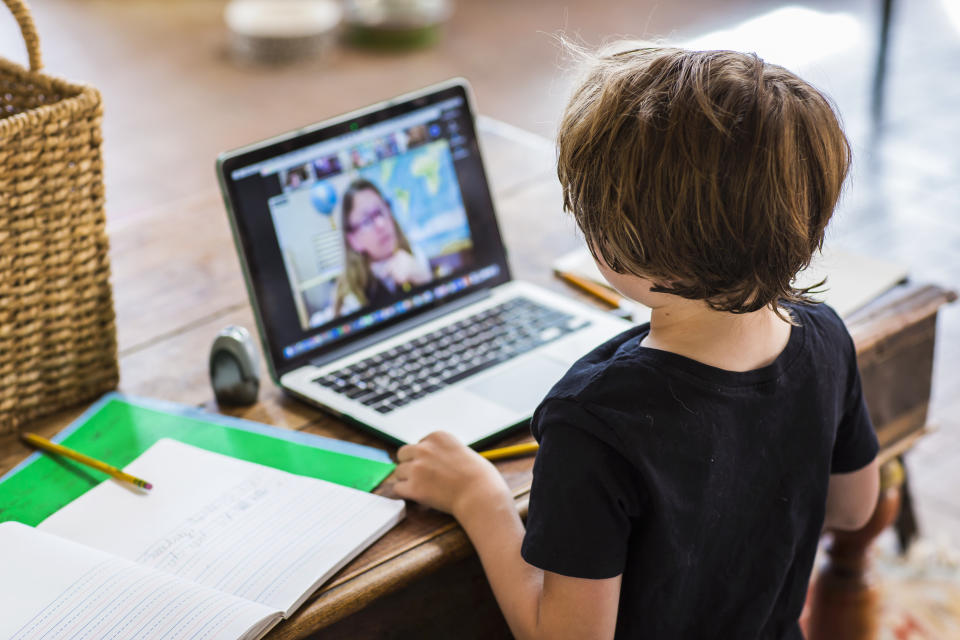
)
(398, 376)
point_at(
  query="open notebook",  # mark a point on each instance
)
(220, 549)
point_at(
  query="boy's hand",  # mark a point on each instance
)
(446, 475)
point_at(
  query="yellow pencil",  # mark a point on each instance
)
(52, 447)
(609, 296)
(515, 450)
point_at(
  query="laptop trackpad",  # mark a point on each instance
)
(521, 386)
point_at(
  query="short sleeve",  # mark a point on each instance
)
(856, 444)
(583, 500)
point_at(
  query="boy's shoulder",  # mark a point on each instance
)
(824, 329)
(603, 370)
(622, 366)
(598, 387)
(622, 393)
(817, 312)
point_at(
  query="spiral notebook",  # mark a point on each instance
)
(221, 549)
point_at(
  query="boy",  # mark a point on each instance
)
(687, 467)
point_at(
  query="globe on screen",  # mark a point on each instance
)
(323, 197)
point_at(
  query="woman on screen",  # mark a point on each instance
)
(379, 263)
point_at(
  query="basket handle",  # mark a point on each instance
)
(21, 12)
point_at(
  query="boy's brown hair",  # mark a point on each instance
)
(711, 173)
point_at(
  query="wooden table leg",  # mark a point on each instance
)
(906, 524)
(844, 600)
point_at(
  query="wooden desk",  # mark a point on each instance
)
(177, 282)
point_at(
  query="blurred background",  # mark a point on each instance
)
(176, 93)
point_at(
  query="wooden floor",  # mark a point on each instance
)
(174, 99)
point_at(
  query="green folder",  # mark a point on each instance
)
(117, 429)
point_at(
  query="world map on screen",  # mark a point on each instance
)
(425, 197)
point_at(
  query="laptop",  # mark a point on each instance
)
(379, 280)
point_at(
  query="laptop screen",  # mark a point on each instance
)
(356, 224)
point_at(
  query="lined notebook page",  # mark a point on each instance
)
(55, 589)
(242, 528)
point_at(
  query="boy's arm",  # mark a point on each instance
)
(442, 473)
(852, 498)
(855, 477)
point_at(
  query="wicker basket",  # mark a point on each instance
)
(57, 332)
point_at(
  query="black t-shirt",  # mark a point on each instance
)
(705, 488)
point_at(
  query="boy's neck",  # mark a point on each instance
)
(735, 342)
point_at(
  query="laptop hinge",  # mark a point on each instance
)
(406, 325)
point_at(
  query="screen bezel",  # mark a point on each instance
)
(347, 123)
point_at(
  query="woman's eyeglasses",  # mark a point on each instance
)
(369, 220)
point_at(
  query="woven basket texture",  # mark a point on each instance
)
(57, 325)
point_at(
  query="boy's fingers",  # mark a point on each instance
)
(406, 489)
(407, 471)
(402, 488)
(441, 438)
(406, 452)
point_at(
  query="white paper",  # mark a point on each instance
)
(253, 531)
(54, 589)
(853, 279)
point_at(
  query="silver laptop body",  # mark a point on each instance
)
(346, 347)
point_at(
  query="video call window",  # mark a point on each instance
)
(327, 166)
(380, 219)
(296, 177)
